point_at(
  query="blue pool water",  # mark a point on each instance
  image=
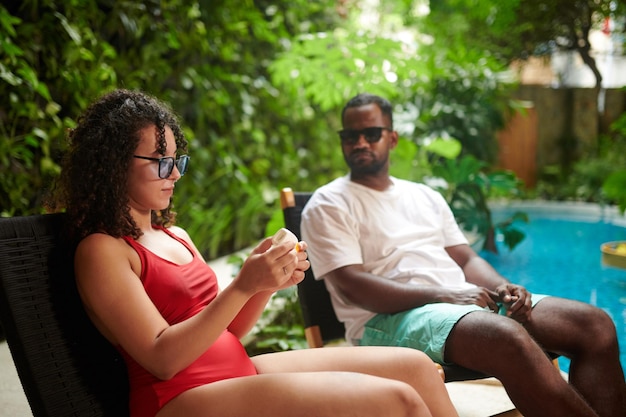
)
(561, 256)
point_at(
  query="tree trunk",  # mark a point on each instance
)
(583, 46)
(590, 62)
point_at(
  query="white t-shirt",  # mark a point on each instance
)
(400, 234)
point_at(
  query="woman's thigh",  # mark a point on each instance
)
(315, 394)
(388, 362)
(395, 363)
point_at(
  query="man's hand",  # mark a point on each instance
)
(516, 300)
(480, 296)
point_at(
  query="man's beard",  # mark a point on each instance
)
(361, 168)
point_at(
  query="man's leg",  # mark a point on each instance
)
(500, 346)
(587, 336)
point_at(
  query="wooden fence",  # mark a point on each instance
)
(558, 126)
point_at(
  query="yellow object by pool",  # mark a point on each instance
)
(614, 254)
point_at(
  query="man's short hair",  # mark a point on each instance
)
(363, 99)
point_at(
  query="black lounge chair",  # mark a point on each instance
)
(65, 366)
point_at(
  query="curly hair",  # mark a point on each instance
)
(93, 183)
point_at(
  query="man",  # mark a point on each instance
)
(400, 272)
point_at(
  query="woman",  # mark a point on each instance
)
(147, 289)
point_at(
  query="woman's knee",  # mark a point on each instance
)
(411, 365)
(416, 357)
(406, 401)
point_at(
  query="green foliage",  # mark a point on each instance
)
(408, 161)
(595, 178)
(29, 121)
(350, 63)
(467, 186)
(285, 331)
(544, 26)
(516, 29)
(512, 235)
(465, 100)
(276, 222)
(583, 182)
(615, 188)
(209, 61)
(466, 94)
(258, 84)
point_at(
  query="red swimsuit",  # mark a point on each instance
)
(180, 292)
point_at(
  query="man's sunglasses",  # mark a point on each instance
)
(371, 134)
(166, 164)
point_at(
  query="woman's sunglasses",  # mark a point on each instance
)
(371, 134)
(166, 164)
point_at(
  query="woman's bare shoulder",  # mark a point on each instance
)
(99, 244)
(101, 251)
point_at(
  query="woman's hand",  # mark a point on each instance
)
(271, 268)
(267, 270)
(302, 264)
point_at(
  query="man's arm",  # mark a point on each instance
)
(380, 295)
(477, 271)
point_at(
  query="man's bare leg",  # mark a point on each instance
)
(587, 336)
(500, 346)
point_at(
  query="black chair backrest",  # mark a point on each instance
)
(65, 366)
(314, 299)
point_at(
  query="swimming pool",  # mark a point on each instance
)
(561, 256)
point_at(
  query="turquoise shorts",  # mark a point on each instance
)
(424, 328)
